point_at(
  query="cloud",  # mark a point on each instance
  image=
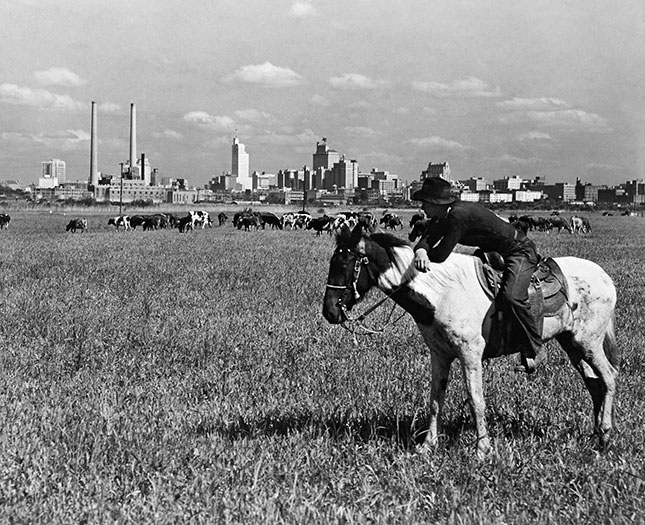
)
(109, 107)
(40, 98)
(319, 100)
(302, 10)
(354, 81)
(223, 123)
(568, 118)
(437, 142)
(168, 134)
(59, 76)
(534, 135)
(65, 140)
(361, 131)
(266, 75)
(532, 103)
(307, 137)
(506, 158)
(253, 115)
(470, 87)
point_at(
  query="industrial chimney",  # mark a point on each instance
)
(133, 136)
(94, 173)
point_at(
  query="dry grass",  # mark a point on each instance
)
(154, 377)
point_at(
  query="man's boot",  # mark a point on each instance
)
(528, 365)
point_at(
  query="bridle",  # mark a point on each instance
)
(361, 260)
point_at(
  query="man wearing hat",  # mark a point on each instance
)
(472, 224)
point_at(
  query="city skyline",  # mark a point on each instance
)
(529, 89)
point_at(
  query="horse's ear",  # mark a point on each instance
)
(357, 233)
(343, 235)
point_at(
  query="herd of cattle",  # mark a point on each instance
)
(254, 220)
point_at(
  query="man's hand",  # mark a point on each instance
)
(421, 261)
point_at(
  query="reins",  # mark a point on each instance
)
(362, 260)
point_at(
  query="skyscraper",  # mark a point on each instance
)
(240, 165)
(324, 157)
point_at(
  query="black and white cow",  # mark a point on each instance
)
(120, 221)
(4, 221)
(77, 224)
(391, 220)
(321, 224)
(201, 218)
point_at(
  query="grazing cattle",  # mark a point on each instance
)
(222, 218)
(576, 224)
(586, 225)
(137, 220)
(121, 221)
(391, 220)
(77, 224)
(201, 218)
(367, 221)
(301, 219)
(185, 224)
(248, 221)
(271, 219)
(154, 222)
(320, 224)
(4, 221)
(172, 219)
(558, 222)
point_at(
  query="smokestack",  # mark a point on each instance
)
(143, 169)
(133, 135)
(94, 173)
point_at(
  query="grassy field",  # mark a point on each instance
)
(159, 377)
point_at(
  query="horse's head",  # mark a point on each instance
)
(349, 276)
(355, 267)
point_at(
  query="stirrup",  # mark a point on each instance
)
(528, 365)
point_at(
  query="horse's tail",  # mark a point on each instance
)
(609, 344)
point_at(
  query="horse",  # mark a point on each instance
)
(449, 307)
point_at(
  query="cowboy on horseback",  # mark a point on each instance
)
(472, 224)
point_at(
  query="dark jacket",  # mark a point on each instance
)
(470, 224)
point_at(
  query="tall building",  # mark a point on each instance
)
(440, 169)
(344, 174)
(324, 157)
(53, 174)
(240, 165)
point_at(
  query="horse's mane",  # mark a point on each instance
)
(387, 240)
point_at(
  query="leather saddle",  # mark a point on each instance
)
(548, 294)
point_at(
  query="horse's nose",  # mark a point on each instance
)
(333, 313)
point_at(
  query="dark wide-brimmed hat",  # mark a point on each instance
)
(436, 191)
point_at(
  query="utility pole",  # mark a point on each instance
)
(121, 192)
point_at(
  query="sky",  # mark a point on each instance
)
(549, 88)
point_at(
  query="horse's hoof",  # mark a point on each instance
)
(483, 449)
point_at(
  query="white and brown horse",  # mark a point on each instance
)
(449, 307)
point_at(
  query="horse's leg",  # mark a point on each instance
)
(440, 372)
(472, 368)
(599, 377)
